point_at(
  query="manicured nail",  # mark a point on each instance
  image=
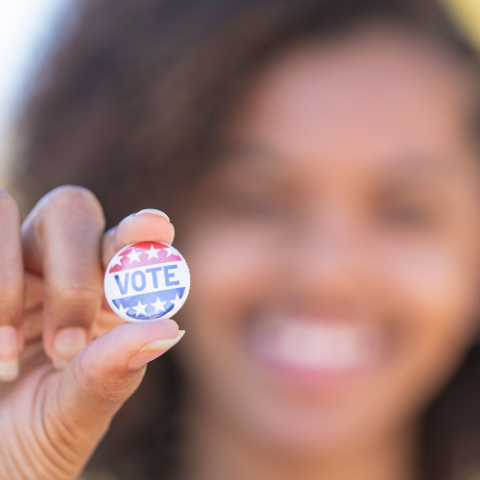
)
(153, 350)
(68, 342)
(126, 218)
(9, 343)
(153, 211)
(59, 364)
(9, 370)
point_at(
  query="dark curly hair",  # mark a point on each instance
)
(127, 106)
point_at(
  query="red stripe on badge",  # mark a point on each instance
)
(142, 255)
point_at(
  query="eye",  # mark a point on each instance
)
(254, 204)
(250, 202)
(407, 214)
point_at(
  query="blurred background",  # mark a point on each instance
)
(27, 32)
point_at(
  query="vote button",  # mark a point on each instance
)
(147, 281)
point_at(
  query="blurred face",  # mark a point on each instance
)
(335, 250)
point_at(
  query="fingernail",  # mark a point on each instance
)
(8, 370)
(126, 218)
(153, 350)
(9, 344)
(59, 364)
(68, 342)
(153, 211)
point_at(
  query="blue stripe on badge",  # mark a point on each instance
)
(167, 297)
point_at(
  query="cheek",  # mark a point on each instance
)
(433, 281)
(232, 269)
(432, 291)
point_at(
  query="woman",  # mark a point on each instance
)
(320, 159)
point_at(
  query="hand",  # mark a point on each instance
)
(65, 369)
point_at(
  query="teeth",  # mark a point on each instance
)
(317, 345)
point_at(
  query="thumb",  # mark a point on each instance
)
(89, 391)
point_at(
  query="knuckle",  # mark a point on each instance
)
(11, 302)
(78, 297)
(74, 201)
(101, 392)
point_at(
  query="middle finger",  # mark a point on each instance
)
(61, 239)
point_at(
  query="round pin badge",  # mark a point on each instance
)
(147, 281)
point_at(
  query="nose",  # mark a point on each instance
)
(329, 254)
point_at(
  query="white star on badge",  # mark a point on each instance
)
(170, 251)
(140, 308)
(159, 305)
(134, 256)
(152, 252)
(117, 261)
(122, 309)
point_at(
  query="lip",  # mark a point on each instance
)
(317, 352)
